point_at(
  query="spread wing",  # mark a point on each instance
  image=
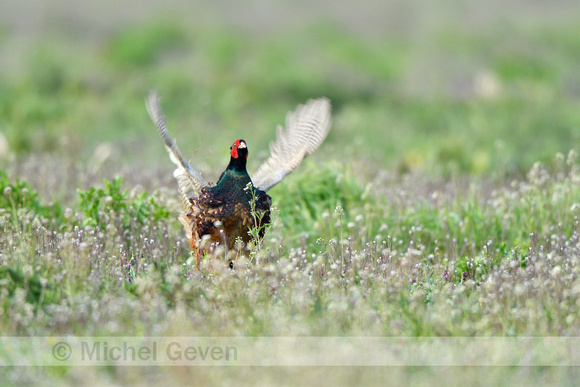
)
(306, 129)
(190, 181)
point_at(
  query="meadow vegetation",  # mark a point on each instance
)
(450, 209)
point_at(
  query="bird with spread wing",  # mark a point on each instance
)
(221, 213)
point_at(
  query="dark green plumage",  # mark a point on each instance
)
(227, 210)
(234, 184)
(223, 212)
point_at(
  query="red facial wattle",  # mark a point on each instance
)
(234, 148)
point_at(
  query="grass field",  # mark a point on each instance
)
(444, 202)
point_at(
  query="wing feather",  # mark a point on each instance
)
(189, 180)
(306, 129)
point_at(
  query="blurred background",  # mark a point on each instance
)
(446, 88)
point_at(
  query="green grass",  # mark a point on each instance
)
(471, 259)
(225, 81)
(128, 244)
(444, 202)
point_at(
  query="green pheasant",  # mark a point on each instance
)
(222, 213)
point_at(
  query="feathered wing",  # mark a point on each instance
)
(190, 181)
(306, 129)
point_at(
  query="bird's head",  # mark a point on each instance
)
(239, 150)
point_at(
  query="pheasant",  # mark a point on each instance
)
(221, 213)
